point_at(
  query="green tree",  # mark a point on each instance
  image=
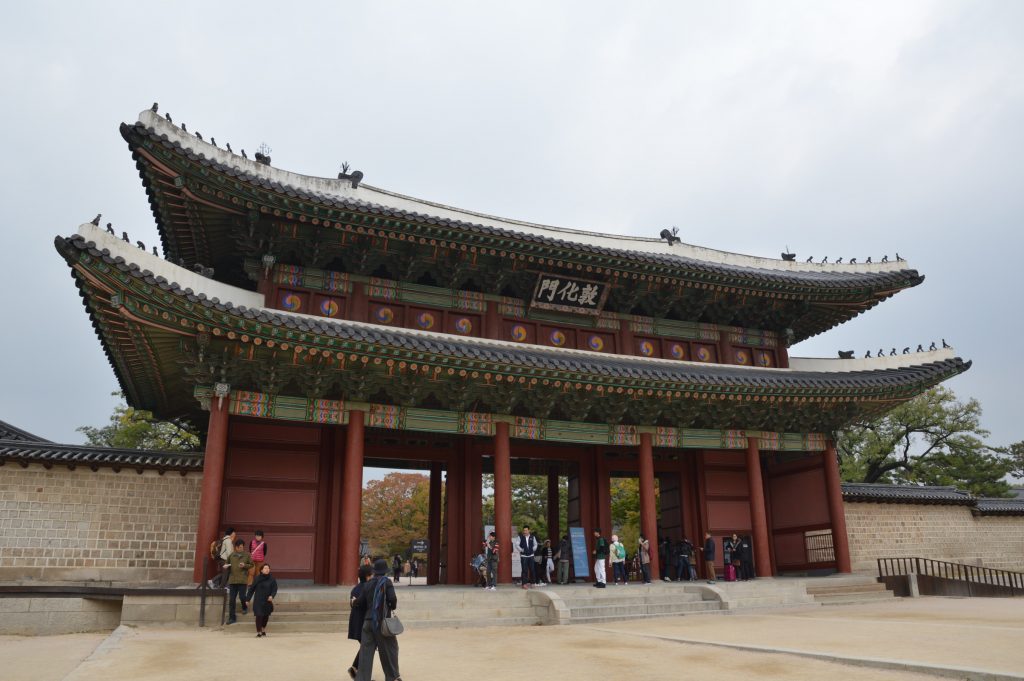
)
(395, 511)
(529, 503)
(931, 439)
(1016, 454)
(131, 428)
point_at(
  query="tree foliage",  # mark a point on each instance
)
(131, 428)
(933, 439)
(529, 503)
(395, 511)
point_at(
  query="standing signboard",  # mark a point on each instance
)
(580, 556)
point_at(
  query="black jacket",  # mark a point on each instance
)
(709, 548)
(357, 614)
(365, 599)
(263, 587)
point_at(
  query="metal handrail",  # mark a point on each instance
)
(971, 574)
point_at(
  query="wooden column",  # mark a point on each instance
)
(473, 505)
(758, 519)
(434, 525)
(337, 468)
(455, 498)
(213, 485)
(626, 344)
(359, 310)
(603, 482)
(554, 518)
(503, 500)
(840, 540)
(648, 513)
(351, 500)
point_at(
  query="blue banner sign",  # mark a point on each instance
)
(580, 556)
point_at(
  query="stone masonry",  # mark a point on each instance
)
(940, 532)
(80, 525)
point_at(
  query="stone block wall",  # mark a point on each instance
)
(950, 533)
(45, 616)
(80, 525)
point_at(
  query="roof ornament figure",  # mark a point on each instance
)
(892, 353)
(154, 107)
(867, 355)
(810, 258)
(671, 237)
(906, 350)
(155, 253)
(885, 258)
(213, 141)
(96, 220)
(124, 238)
(263, 154)
(824, 261)
(868, 261)
(183, 128)
(788, 256)
(898, 258)
(168, 117)
(356, 176)
(199, 136)
(853, 261)
(228, 145)
(944, 344)
(881, 352)
(932, 346)
(920, 348)
(244, 155)
(839, 260)
(110, 229)
(141, 245)
(846, 354)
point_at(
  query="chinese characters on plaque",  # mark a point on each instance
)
(569, 295)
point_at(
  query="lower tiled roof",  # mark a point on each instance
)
(50, 454)
(914, 494)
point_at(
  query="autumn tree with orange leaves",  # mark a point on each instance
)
(395, 511)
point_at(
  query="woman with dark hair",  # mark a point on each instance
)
(357, 614)
(261, 595)
(379, 600)
(396, 568)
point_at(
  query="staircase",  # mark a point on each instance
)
(616, 603)
(848, 590)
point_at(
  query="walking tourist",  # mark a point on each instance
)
(239, 563)
(527, 551)
(618, 558)
(493, 557)
(746, 558)
(415, 565)
(564, 556)
(224, 549)
(548, 560)
(357, 614)
(600, 556)
(684, 566)
(644, 551)
(258, 550)
(261, 595)
(396, 568)
(709, 557)
(379, 600)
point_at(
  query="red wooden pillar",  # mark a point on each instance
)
(213, 485)
(603, 495)
(627, 346)
(473, 505)
(337, 468)
(554, 531)
(492, 321)
(455, 507)
(503, 500)
(783, 356)
(648, 513)
(351, 500)
(359, 308)
(840, 540)
(434, 525)
(758, 519)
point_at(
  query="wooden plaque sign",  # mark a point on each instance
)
(568, 294)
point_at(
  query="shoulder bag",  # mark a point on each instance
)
(391, 626)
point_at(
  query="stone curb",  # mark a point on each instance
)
(876, 663)
(110, 643)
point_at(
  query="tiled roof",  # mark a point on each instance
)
(9, 432)
(575, 361)
(50, 454)
(905, 494)
(913, 494)
(882, 280)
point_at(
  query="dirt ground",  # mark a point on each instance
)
(978, 633)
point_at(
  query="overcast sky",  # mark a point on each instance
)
(853, 129)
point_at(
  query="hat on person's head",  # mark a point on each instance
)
(380, 567)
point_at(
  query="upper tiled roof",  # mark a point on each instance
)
(331, 193)
(905, 494)
(9, 432)
(49, 454)
(1001, 506)
(534, 356)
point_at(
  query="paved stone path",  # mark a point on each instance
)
(983, 635)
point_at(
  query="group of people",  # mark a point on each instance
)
(372, 601)
(246, 575)
(737, 558)
(537, 560)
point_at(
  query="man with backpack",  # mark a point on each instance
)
(618, 556)
(493, 556)
(220, 549)
(239, 563)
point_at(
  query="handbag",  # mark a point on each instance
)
(391, 626)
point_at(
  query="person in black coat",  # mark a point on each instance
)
(357, 614)
(746, 558)
(261, 596)
(379, 600)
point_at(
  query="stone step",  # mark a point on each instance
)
(854, 598)
(637, 600)
(641, 610)
(848, 589)
(600, 619)
(246, 627)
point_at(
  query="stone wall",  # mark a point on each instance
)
(950, 533)
(80, 525)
